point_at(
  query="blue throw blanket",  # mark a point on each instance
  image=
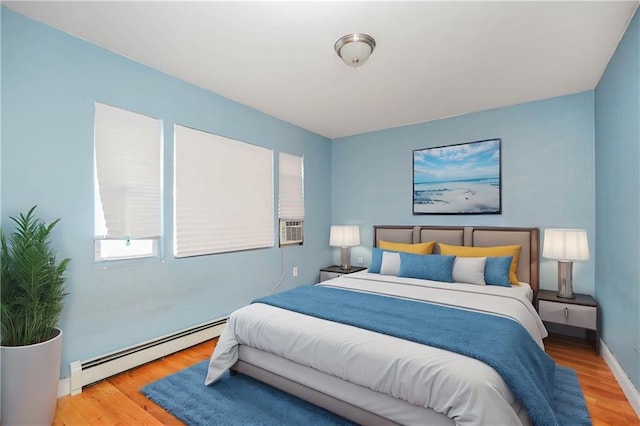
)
(498, 342)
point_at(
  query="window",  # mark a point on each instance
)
(128, 186)
(291, 186)
(223, 194)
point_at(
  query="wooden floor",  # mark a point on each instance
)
(117, 401)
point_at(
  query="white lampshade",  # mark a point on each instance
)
(355, 49)
(344, 236)
(566, 244)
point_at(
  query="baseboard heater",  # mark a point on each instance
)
(83, 373)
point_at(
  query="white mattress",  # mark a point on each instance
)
(461, 388)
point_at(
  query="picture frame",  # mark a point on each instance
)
(464, 178)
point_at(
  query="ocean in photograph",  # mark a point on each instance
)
(460, 196)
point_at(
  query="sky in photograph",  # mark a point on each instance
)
(477, 160)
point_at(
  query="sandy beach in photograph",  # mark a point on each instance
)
(457, 197)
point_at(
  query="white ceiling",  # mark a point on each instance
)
(432, 60)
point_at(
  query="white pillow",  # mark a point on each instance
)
(390, 263)
(469, 270)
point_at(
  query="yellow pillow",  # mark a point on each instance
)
(494, 251)
(420, 248)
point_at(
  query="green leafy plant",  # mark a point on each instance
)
(32, 288)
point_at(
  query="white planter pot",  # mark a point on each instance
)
(30, 376)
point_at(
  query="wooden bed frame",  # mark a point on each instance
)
(528, 271)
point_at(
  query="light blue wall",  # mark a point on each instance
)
(50, 82)
(617, 109)
(547, 173)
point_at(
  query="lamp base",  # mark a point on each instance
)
(345, 257)
(565, 280)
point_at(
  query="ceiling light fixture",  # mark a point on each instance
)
(354, 49)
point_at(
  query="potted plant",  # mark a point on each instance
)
(31, 300)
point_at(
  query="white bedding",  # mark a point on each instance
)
(464, 389)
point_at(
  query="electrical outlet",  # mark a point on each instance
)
(294, 271)
(359, 260)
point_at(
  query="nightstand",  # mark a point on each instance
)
(581, 312)
(335, 271)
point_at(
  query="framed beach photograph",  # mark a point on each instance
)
(458, 179)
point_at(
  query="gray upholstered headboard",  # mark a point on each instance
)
(472, 236)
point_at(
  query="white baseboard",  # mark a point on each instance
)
(630, 391)
(64, 388)
(82, 373)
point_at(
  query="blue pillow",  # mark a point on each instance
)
(496, 271)
(433, 267)
(376, 261)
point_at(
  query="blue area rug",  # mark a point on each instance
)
(241, 400)
(234, 400)
(568, 399)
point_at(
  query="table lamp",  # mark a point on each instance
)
(345, 237)
(566, 246)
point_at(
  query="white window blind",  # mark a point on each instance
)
(128, 170)
(291, 186)
(223, 194)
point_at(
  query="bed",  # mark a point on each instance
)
(371, 377)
